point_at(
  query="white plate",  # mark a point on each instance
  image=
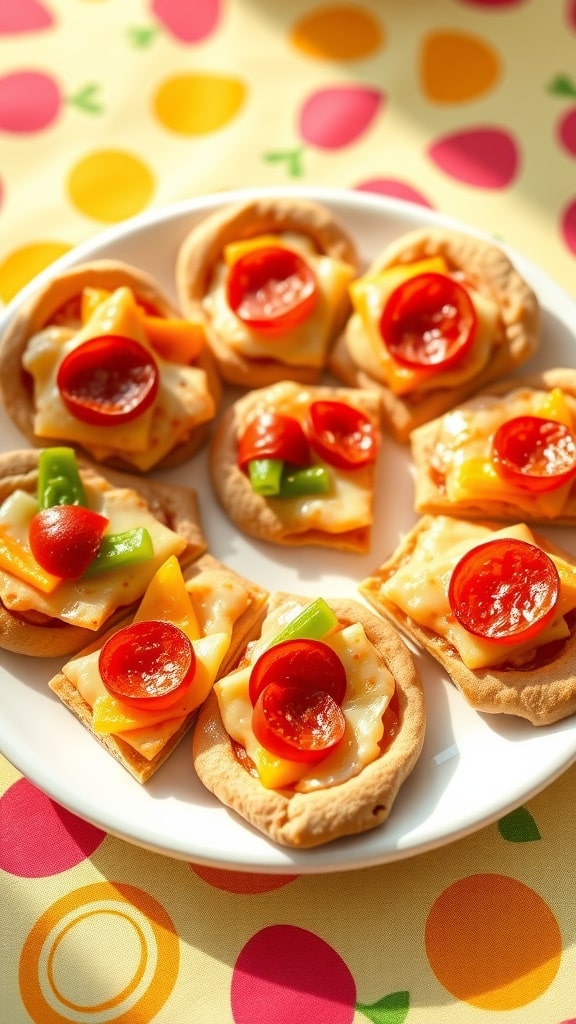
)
(473, 768)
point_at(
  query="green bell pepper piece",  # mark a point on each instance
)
(118, 550)
(59, 480)
(265, 476)
(312, 623)
(297, 483)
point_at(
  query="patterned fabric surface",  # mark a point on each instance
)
(109, 108)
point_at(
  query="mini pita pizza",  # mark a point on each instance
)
(494, 606)
(437, 317)
(363, 748)
(78, 548)
(507, 454)
(157, 388)
(138, 688)
(269, 280)
(295, 465)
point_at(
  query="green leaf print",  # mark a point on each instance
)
(519, 827)
(562, 85)
(391, 1009)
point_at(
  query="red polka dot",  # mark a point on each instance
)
(568, 225)
(394, 188)
(484, 157)
(567, 131)
(40, 838)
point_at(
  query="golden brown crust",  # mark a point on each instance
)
(488, 266)
(202, 250)
(429, 494)
(39, 311)
(257, 516)
(176, 507)
(541, 695)
(304, 820)
(132, 760)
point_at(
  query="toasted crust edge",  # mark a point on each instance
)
(305, 820)
(251, 512)
(36, 313)
(138, 766)
(176, 506)
(429, 499)
(492, 691)
(519, 308)
(202, 247)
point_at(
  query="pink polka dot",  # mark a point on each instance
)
(568, 225)
(24, 16)
(567, 131)
(289, 975)
(40, 838)
(394, 188)
(242, 882)
(484, 157)
(29, 101)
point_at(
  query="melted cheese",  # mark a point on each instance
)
(369, 296)
(348, 504)
(148, 731)
(304, 345)
(370, 686)
(419, 588)
(89, 601)
(182, 404)
(462, 451)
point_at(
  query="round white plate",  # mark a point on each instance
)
(473, 769)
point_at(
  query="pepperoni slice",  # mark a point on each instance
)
(296, 723)
(342, 435)
(108, 380)
(534, 453)
(504, 590)
(149, 664)
(271, 289)
(429, 321)
(273, 435)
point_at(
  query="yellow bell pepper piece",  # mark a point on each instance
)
(277, 772)
(90, 299)
(177, 341)
(166, 598)
(235, 250)
(19, 561)
(554, 406)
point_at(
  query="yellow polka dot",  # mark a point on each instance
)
(493, 942)
(110, 185)
(338, 32)
(22, 265)
(197, 104)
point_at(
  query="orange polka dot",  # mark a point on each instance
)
(110, 185)
(130, 935)
(23, 264)
(198, 104)
(241, 882)
(339, 32)
(457, 67)
(493, 942)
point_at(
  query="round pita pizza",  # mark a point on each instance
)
(100, 359)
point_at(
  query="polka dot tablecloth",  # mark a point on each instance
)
(109, 108)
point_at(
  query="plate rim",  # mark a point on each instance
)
(340, 855)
